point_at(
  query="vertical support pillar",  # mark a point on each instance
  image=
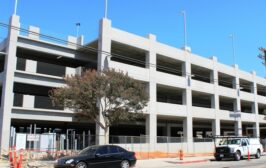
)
(104, 44)
(151, 124)
(8, 83)
(216, 127)
(31, 66)
(34, 32)
(168, 129)
(188, 121)
(28, 101)
(188, 133)
(256, 130)
(70, 71)
(216, 130)
(238, 122)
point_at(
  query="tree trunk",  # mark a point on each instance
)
(106, 137)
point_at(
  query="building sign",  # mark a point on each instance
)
(235, 114)
(33, 137)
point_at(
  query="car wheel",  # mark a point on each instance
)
(124, 164)
(81, 165)
(218, 158)
(257, 154)
(237, 156)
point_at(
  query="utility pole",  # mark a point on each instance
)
(105, 9)
(185, 27)
(15, 7)
(233, 47)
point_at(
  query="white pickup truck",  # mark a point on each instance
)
(237, 148)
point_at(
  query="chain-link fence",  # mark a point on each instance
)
(54, 145)
(50, 146)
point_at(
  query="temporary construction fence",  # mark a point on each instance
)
(50, 146)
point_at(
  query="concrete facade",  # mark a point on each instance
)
(206, 89)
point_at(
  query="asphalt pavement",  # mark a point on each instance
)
(201, 162)
(188, 162)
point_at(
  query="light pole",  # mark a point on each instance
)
(77, 26)
(232, 36)
(105, 9)
(15, 8)
(183, 12)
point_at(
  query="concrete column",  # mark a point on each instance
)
(188, 133)
(238, 123)
(151, 124)
(168, 130)
(28, 101)
(255, 107)
(256, 130)
(72, 42)
(184, 69)
(70, 71)
(151, 130)
(235, 105)
(216, 130)
(188, 121)
(215, 99)
(8, 82)
(78, 70)
(104, 44)
(34, 32)
(184, 97)
(238, 128)
(31, 66)
(75, 42)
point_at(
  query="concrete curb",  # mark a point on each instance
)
(189, 161)
(192, 161)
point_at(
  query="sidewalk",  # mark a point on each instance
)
(149, 163)
(164, 162)
(4, 164)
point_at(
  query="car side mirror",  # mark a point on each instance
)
(97, 155)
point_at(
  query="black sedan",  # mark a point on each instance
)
(101, 156)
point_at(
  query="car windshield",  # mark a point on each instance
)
(88, 151)
(231, 142)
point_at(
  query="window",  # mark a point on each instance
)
(88, 151)
(120, 149)
(102, 150)
(113, 149)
